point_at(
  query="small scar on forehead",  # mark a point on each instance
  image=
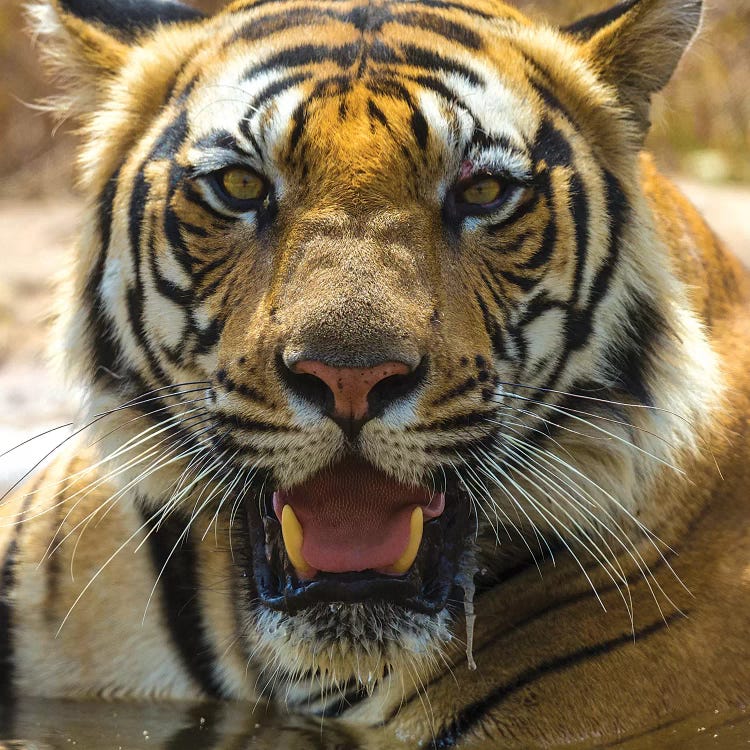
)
(467, 169)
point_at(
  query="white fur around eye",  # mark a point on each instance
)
(504, 212)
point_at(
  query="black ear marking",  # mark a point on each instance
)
(586, 27)
(128, 18)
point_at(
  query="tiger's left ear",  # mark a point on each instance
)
(127, 19)
(636, 47)
(85, 43)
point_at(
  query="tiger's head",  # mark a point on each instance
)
(378, 283)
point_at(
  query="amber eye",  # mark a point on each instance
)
(481, 192)
(243, 186)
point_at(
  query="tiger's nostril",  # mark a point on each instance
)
(351, 396)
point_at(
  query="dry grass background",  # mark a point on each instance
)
(701, 124)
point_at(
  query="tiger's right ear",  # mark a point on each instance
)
(636, 47)
(86, 42)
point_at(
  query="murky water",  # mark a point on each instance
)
(54, 725)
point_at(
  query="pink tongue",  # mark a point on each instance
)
(355, 517)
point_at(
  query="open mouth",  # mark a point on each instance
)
(354, 534)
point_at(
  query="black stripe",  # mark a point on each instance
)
(261, 4)
(524, 283)
(471, 717)
(273, 23)
(7, 586)
(166, 147)
(199, 276)
(210, 289)
(549, 238)
(269, 92)
(193, 229)
(344, 702)
(366, 18)
(523, 211)
(493, 329)
(580, 322)
(540, 305)
(344, 56)
(432, 61)
(104, 350)
(391, 87)
(220, 138)
(165, 286)
(207, 338)
(491, 283)
(551, 146)
(459, 390)
(173, 229)
(589, 25)
(375, 113)
(630, 363)
(419, 128)
(472, 419)
(299, 118)
(180, 600)
(128, 18)
(618, 209)
(579, 206)
(434, 84)
(448, 5)
(193, 196)
(440, 25)
(171, 223)
(53, 559)
(332, 86)
(243, 389)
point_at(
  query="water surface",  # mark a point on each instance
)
(58, 725)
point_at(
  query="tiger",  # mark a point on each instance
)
(416, 397)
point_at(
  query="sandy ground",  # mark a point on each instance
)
(37, 240)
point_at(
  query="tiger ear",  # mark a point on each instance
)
(86, 42)
(636, 47)
(126, 19)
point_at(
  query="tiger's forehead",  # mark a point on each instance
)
(455, 20)
(378, 78)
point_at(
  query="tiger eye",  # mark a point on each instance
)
(243, 184)
(482, 192)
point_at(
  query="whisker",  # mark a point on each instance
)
(594, 398)
(132, 402)
(620, 439)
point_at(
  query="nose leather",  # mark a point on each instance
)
(350, 386)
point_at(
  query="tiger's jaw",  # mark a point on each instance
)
(360, 621)
(351, 534)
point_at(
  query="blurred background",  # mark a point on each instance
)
(701, 134)
(701, 125)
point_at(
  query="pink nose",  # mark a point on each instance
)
(350, 386)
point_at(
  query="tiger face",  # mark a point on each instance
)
(369, 249)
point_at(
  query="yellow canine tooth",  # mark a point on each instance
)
(291, 531)
(416, 526)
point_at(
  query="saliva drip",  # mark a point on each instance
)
(469, 589)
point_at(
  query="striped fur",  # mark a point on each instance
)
(584, 349)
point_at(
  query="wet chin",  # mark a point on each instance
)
(344, 642)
